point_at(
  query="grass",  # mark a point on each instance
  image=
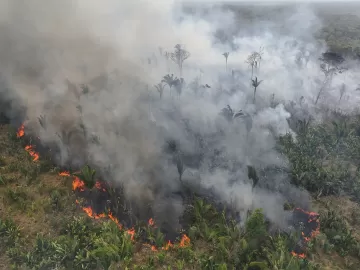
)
(41, 226)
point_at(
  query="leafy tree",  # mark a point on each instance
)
(179, 56)
(330, 66)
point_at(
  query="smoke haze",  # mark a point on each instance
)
(49, 49)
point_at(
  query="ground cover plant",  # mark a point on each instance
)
(255, 169)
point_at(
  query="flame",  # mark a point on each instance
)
(110, 215)
(151, 222)
(185, 241)
(131, 232)
(21, 131)
(77, 184)
(64, 173)
(88, 210)
(313, 217)
(300, 256)
(168, 246)
(30, 150)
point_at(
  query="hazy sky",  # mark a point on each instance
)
(271, 1)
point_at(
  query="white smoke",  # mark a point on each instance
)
(49, 48)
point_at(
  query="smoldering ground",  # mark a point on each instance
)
(76, 66)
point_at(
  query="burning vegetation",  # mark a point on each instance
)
(84, 186)
(154, 164)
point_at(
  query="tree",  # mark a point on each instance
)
(226, 55)
(251, 62)
(330, 66)
(230, 114)
(254, 60)
(255, 83)
(170, 80)
(160, 88)
(179, 85)
(259, 55)
(179, 56)
(342, 91)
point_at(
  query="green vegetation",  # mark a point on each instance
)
(41, 226)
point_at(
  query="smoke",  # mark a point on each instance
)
(88, 67)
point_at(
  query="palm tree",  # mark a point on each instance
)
(160, 88)
(170, 80)
(254, 60)
(259, 55)
(179, 56)
(179, 85)
(251, 60)
(255, 83)
(226, 55)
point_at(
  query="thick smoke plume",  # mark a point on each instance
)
(88, 69)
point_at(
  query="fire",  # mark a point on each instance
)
(313, 229)
(168, 245)
(110, 215)
(131, 232)
(185, 241)
(30, 150)
(77, 184)
(300, 256)
(151, 222)
(64, 173)
(88, 210)
(21, 131)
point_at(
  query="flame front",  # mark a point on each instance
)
(312, 218)
(21, 131)
(64, 174)
(79, 185)
(30, 150)
(185, 241)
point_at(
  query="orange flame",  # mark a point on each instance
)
(131, 232)
(88, 210)
(21, 131)
(168, 246)
(151, 222)
(185, 241)
(300, 256)
(77, 184)
(110, 215)
(64, 173)
(30, 150)
(313, 216)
